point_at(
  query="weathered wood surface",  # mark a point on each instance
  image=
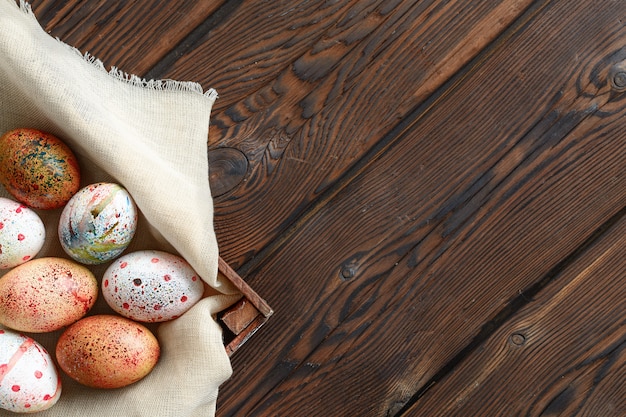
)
(132, 35)
(299, 83)
(407, 184)
(396, 275)
(562, 354)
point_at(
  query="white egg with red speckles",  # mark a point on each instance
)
(151, 286)
(29, 380)
(22, 233)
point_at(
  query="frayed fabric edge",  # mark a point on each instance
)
(131, 79)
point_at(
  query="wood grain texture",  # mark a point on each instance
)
(380, 288)
(311, 87)
(420, 190)
(131, 35)
(563, 354)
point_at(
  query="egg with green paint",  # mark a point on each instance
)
(37, 168)
(46, 294)
(22, 233)
(29, 380)
(98, 223)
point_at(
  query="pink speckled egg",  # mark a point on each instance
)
(37, 168)
(46, 294)
(151, 286)
(22, 233)
(106, 351)
(98, 223)
(29, 381)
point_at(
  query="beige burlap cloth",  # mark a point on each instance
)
(151, 137)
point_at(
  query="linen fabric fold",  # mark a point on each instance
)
(150, 137)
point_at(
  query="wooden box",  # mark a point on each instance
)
(241, 320)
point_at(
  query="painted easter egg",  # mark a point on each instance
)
(22, 233)
(151, 286)
(46, 294)
(37, 168)
(98, 223)
(106, 351)
(29, 381)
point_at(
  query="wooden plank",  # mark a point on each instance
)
(479, 199)
(563, 354)
(312, 87)
(239, 316)
(254, 298)
(245, 317)
(132, 36)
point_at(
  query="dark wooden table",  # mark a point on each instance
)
(429, 194)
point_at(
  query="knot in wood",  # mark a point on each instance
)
(347, 273)
(518, 339)
(617, 77)
(227, 168)
(619, 80)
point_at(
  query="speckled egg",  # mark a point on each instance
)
(151, 286)
(106, 351)
(29, 381)
(46, 294)
(37, 168)
(98, 223)
(22, 233)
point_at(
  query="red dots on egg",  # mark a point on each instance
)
(15, 388)
(25, 258)
(106, 283)
(126, 306)
(160, 286)
(21, 237)
(47, 397)
(123, 264)
(38, 374)
(1, 225)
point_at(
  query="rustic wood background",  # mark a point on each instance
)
(429, 194)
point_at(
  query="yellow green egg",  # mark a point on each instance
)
(98, 223)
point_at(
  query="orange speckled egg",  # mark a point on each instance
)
(37, 168)
(106, 351)
(46, 294)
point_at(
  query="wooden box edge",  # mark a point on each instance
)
(241, 320)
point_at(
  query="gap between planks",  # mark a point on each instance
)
(538, 286)
(525, 297)
(392, 138)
